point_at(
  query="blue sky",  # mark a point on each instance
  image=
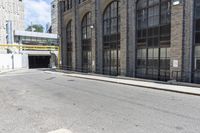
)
(37, 12)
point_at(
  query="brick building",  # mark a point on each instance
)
(152, 39)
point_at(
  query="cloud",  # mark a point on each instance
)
(37, 12)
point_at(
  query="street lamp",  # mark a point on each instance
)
(91, 27)
(176, 2)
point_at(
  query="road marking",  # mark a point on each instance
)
(61, 131)
(58, 73)
(12, 75)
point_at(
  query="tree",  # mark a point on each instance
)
(35, 28)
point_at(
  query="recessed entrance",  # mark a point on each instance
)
(39, 61)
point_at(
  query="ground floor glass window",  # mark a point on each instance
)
(153, 31)
(111, 39)
(196, 64)
(153, 63)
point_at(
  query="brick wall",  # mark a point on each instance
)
(181, 37)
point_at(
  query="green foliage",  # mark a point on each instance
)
(35, 28)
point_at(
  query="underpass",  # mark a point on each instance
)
(39, 61)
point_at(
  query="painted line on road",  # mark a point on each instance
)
(48, 72)
(61, 131)
(12, 75)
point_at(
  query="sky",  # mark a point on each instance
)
(37, 12)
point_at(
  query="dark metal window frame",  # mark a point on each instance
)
(111, 41)
(196, 70)
(157, 72)
(69, 4)
(86, 36)
(195, 21)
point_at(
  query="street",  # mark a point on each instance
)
(36, 101)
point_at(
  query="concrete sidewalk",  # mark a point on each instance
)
(147, 84)
(6, 70)
(11, 70)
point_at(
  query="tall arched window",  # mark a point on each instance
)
(86, 43)
(69, 45)
(153, 39)
(69, 4)
(197, 42)
(111, 39)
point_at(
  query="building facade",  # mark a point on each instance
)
(11, 11)
(151, 39)
(54, 17)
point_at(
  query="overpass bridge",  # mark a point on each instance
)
(29, 56)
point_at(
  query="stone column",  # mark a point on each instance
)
(64, 46)
(74, 36)
(61, 32)
(188, 39)
(99, 37)
(123, 35)
(78, 40)
(93, 36)
(131, 59)
(176, 53)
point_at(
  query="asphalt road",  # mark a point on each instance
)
(35, 101)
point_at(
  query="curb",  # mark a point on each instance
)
(144, 86)
(153, 88)
(11, 70)
(4, 72)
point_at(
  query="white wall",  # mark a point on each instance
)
(3, 51)
(15, 61)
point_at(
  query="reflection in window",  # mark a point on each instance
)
(86, 43)
(111, 39)
(153, 39)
